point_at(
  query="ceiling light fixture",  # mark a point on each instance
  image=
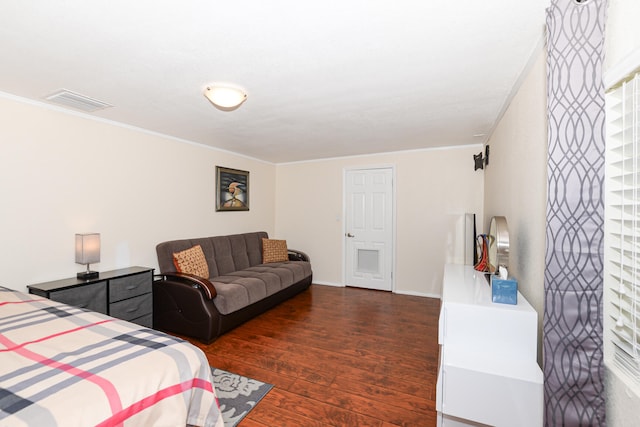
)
(225, 97)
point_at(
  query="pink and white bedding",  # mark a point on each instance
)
(65, 366)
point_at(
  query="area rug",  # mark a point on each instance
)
(237, 395)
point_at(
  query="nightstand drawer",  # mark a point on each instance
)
(92, 297)
(125, 293)
(132, 308)
(144, 320)
(130, 286)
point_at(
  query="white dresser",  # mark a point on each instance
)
(488, 374)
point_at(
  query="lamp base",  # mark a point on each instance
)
(87, 275)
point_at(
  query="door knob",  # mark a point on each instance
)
(350, 235)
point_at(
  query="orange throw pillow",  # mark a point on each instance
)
(274, 251)
(191, 261)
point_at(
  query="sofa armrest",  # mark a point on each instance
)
(196, 281)
(296, 255)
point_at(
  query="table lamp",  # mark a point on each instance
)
(87, 252)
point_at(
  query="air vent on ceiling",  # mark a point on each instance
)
(77, 101)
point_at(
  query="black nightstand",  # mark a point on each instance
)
(124, 293)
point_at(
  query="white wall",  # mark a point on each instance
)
(63, 174)
(434, 188)
(622, 32)
(516, 183)
(622, 43)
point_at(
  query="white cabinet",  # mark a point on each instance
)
(488, 373)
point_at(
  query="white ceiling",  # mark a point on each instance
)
(324, 78)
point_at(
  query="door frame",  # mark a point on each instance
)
(393, 218)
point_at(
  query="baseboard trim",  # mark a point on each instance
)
(335, 285)
(418, 294)
(399, 292)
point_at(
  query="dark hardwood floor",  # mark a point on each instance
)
(339, 357)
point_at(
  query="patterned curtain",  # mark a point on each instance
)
(572, 342)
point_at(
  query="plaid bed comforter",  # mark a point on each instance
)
(65, 366)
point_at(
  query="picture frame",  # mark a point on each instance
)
(232, 189)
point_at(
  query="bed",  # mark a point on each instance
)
(65, 366)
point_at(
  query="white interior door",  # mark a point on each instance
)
(369, 228)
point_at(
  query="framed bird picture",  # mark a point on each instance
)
(232, 189)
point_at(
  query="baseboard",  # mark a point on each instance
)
(410, 293)
(418, 294)
(335, 285)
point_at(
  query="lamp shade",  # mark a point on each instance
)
(87, 248)
(225, 97)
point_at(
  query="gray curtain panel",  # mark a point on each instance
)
(572, 342)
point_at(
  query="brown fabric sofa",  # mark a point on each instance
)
(239, 288)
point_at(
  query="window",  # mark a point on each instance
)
(622, 226)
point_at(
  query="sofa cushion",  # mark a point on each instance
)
(274, 251)
(238, 289)
(231, 253)
(191, 261)
(224, 254)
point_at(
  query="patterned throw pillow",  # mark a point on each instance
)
(274, 251)
(191, 261)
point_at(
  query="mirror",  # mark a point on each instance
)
(498, 243)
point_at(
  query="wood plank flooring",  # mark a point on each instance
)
(338, 357)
